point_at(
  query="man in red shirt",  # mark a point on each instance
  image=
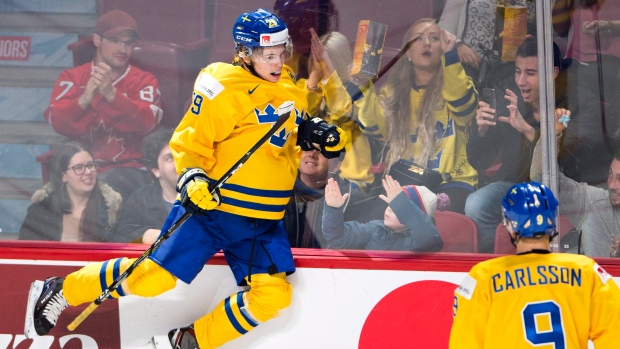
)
(109, 104)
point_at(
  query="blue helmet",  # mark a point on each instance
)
(531, 209)
(260, 28)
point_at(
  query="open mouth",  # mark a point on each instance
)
(427, 54)
(525, 93)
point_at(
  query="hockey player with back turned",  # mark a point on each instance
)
(233, 106)
(535, 298)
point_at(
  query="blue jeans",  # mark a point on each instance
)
(484, 206)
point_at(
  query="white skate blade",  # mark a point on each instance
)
(161, 342)
(35, 291)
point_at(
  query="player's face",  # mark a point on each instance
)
(613, 182)
(526, 77)
(166, 171)
(115, 51)
(80, 184)
(313, 165)
(425, 52)
(391, 221)
(268, 63)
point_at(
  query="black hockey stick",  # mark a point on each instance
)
(163, 237)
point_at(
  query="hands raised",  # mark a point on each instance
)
(333, 197)
(392, 189)
(321, 66)
(447, 40)
(515, 119)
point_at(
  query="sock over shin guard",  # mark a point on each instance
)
(238, 314)
(86, 284)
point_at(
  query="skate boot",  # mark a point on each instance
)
(183, 338)
(45, 303)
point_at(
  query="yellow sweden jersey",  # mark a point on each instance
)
(230, 111)
(543, 301)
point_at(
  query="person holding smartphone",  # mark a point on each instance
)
(501, 140)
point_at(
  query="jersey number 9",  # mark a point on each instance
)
(542, 322)
(196, 104)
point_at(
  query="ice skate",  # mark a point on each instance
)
(183, 338)
(45, 303)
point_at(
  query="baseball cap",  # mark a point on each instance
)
(112, 23)
(425, 199)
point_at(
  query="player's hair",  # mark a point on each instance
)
(398, 107)
(153, 144)
(529, 48)
(60, 196)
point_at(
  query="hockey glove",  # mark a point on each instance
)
(196, 197)
(330, 139)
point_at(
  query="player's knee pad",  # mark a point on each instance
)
(269, 296)
(89, 282)
(149, 279)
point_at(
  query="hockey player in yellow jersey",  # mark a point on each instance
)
(535, 299)
(233, 106)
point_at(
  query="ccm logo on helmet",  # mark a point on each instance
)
(239, 37)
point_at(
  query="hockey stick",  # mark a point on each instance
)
(163, 237)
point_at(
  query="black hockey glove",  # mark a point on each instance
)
(196, 197)
(330, 139)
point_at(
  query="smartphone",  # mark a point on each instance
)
(488, 96)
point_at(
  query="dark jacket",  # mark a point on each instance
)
(44, 218)
(507, 149)
(421, 235)
(145, 209)
(304, 212)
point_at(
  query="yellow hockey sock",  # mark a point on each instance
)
(86, 284)
(238, 314)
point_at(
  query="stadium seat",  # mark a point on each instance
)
(458, 232)
(502, 239)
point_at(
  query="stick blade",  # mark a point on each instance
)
(161, 342)
(33, 295)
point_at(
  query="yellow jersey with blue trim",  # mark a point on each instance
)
(231, 110)
(536, 300)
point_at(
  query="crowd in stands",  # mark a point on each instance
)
(114, 180)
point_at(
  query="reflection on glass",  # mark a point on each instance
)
(430, 109)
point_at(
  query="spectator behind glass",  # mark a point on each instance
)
(406, 226)
(145, 212)
(593, 211)
(302, 219)
(423, 110)
(300, 16)
(473, 22)
(109, 104)
(73, 205)
(593, 29)
(328, 84)
(501, 151)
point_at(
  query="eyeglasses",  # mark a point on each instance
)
(80, 169)
(129, 43)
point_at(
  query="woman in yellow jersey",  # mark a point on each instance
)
(422, 111)
(233, 106)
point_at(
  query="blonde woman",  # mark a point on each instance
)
(422, 111)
